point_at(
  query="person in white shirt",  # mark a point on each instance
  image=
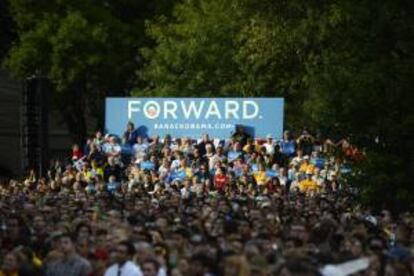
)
(318, 177)
(297, 160)
(216, 158)
(124, 266)
(113, 149)
(175, 164)
(186, 190)
(140, 149)
(269, 145)
(283, 177)
(164, 169)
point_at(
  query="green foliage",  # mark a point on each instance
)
(345, 67)
(194, 53)
(7, 29)
(87, 48)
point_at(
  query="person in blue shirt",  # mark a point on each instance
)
(112, 185)
(90, 188)
(287, 145)
(203, 174)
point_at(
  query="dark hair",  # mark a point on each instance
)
(83, 224)
(300, 266)
(130, 124)
(67, 235)
(152, 261)
(130, 247)
(277, 180)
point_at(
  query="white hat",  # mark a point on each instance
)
(269, 136)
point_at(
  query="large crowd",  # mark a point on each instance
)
(136, 205)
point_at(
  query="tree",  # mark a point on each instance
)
(194, 50)
(87, 48)
(237, 47)
(7, 29)
(345, 66)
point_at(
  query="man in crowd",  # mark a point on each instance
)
(150, 267)
(123, 265)
(71, 263)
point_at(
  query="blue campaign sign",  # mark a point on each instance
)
(147, 165)
(272, 173)
(177, 175)
(194, 116)
(233, 155)
(318, 162)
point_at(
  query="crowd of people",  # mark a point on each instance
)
(136, 205)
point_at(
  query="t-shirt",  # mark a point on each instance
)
(283, 180)
(220, 181)
(260, 177)
(233, 155)
(287, 147)
(308, 185)
(98, 171)
(73, 266)
(90, 189)
(307, 168)
(77, 154)
(128, 269)
(188, 171)
(140, 149)
(147, 165)
(270, 148)
(112, 149)
(112, 186)
(296, 160)
(185, 192)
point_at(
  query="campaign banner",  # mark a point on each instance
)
(192, 117)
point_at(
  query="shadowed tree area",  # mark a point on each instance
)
(87, 48)
(343, 67)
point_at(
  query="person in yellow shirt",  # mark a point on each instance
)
(308, 184)
(260, 176)
(96, 169)
(87, 173)
(306, 166)
(188, 171)
(249, 145)
(257, 145)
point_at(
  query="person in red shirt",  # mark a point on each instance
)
(76, 152)
(220, 180)
(273, 185)
(350, 151)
